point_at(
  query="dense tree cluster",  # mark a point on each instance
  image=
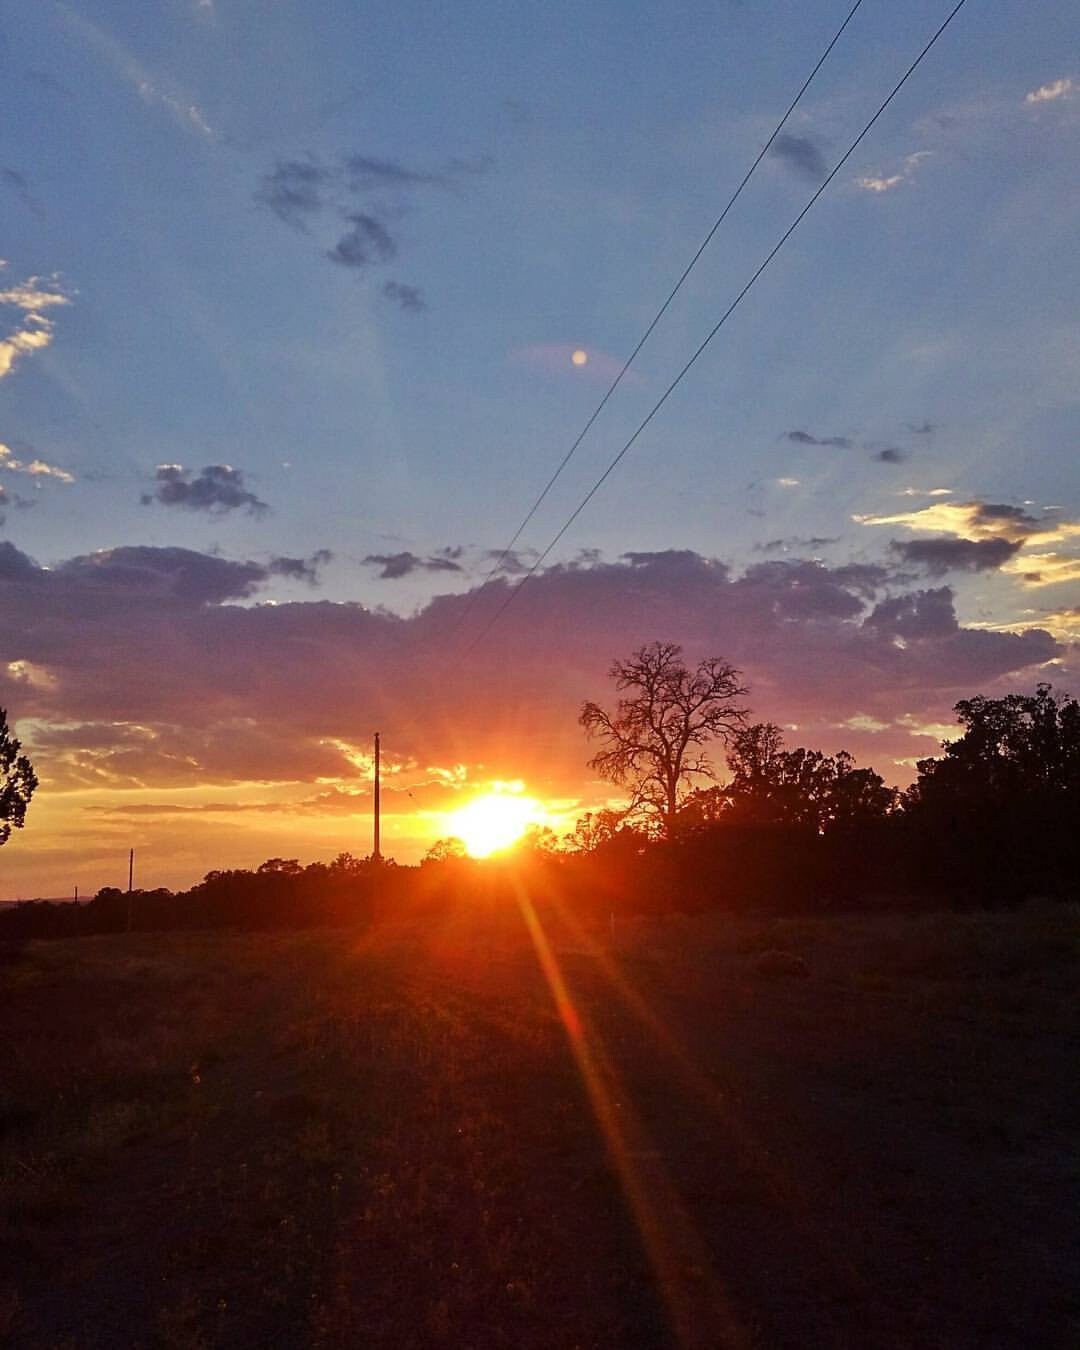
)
(1000, 809)
(992, 820)
(279, 894)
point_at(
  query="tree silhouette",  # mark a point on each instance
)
(17, 781)
(996, 814)
(1019, 744)
(595, 830)
(654, 741)
(801, 787)
(450, 849)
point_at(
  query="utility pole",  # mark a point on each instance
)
(131, 878)
(376, 852)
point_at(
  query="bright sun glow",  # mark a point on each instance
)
(493, 822)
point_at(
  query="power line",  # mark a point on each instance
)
(660, 312)
(716, 328)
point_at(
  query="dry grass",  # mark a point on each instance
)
(1012, 969)
(329, 1139)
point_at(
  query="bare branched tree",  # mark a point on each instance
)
(654, 741)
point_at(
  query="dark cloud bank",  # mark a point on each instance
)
(805, 438)
(889, 454)
(394, 566)
(156, 666)
(939, 556)
(360, 199)
(217, 488)
(366, 241)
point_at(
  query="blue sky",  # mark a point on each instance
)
(217, 196)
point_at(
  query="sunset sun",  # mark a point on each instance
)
(494, 822)
(540, 687)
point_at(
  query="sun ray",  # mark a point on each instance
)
(679, 1259)
(785, 1188)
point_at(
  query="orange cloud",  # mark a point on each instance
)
(153, 680)
(980, 524)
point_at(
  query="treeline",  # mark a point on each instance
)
(279, 894)
(992, 821)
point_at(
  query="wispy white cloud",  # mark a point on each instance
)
(869, 183)
(788, 482)
(865, 723)
(925, 492)
(158, 92)
(31, 296)
(1048, 93)
(36, 468)
(35, 334)
(35, 331)
(887, 182)
(187, 113)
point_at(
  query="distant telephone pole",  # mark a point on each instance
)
(376, 851)
(131, 878)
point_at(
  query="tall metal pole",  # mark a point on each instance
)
(131, 878)
(376, 852)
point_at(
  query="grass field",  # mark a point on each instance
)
(469, 1137)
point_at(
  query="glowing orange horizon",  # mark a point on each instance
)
(494, 821)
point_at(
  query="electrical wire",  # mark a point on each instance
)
(658, 316)
(716, 328)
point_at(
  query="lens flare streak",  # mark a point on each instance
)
(679, 1260)
(785, 1190)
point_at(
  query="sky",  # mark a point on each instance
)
(288, 307)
